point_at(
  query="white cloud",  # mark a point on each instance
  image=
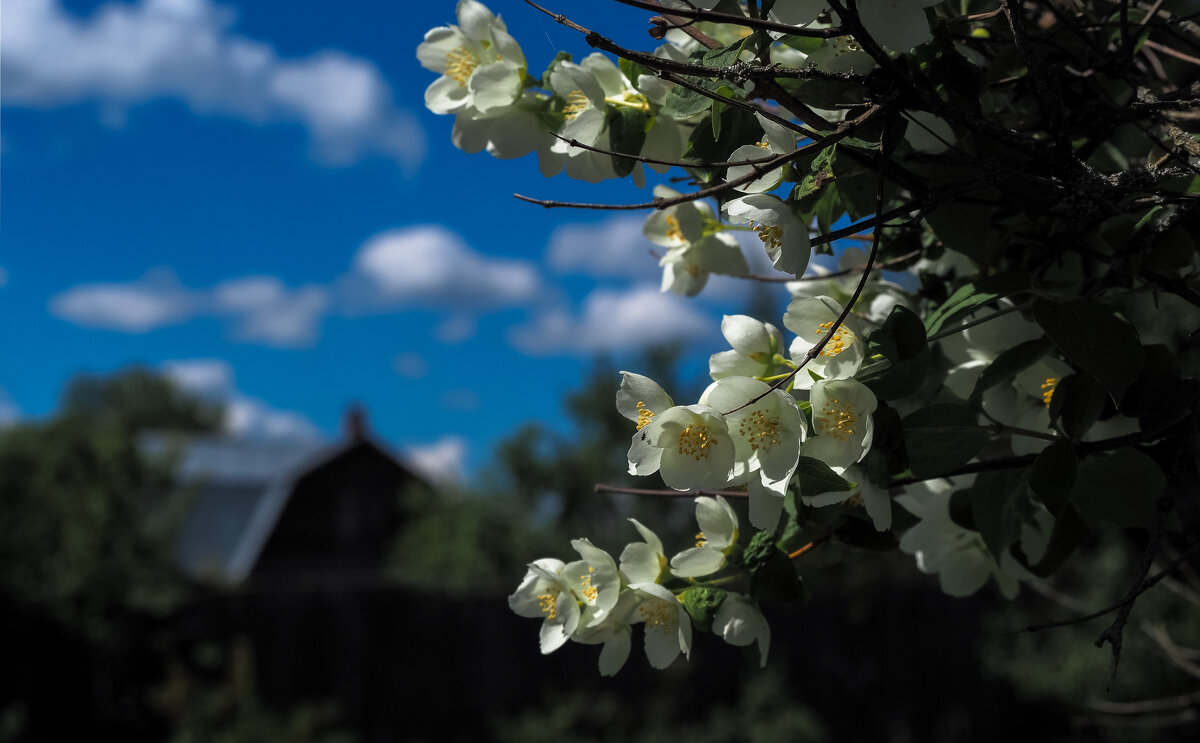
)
(3, 276)
(460, 400)
(430, 266)
(125, 54)
(266, 310)
(442, 462)
(245, 417)
(211, 378)
(153, 301)
(261, 308)
(614, 247)
(614, 321)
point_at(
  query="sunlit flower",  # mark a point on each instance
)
(594, 580)
(841, 411)
(639, 399)
(755, 348)
(898, 25)
(784, 236)
(643, 562)
(686, 269)
(812, 320)
(482, 68)
(544, 593)
(696, 451)
(777, 140)
(739, 622)
(668, 628)
(718, 534)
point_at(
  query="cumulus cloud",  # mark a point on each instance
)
(261, 309)
(441, 462)
(613, 247)
(614, 321)
(265, 310)
(124, 54)
(153, 301)
(430, 266)
(245, 416)
(410, 365)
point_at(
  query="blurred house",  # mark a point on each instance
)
(291, 510)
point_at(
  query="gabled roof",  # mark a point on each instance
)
(240, 488)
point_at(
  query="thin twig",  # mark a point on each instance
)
(602, 488)
(738, 20)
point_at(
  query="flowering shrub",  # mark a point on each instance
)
(1025, 374)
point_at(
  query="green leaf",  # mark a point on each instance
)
(815, 477)
(627, 132)
(725, 56)
(901, 340)
(631, 70)
(1016, 359)
(1165, 399)
(1094, 338)
(940, 438)
(1120, 488)
(1052, 475)
(968, 298)
(1069, 532)
(684, 103)
(772, 575)
(994, 497)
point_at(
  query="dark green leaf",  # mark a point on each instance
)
(560, 57)
(968, 298)
(940, 438)
(901, 340)
(1165, 399)
(684, 103)
(993, 507)
(815, 477)
(1052, 475)
(1068, 533)
(627, 133)
(1016, 359)
(772, 575)
(725, 56)
(861, 533)
(960, 509)
(1076, 404)
(1094, 338)
(1120, 488)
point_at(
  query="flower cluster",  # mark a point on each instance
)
(595, 601)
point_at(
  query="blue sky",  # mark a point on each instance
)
(252, 198)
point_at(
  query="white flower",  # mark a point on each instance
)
(695, 247)
(643, 562)
(784, 236)
(482, 68)
(958, 555)
(811, 320)
(545, 593)
(514, 132)
(639, 399)
(755, 345)
(841, 411)
(718, 534)
(739, 622)
(766, 434)
(879, 294)
(668, 628)
(898, 25)
(686, 269)
(777, 140)
(614, 633)
(696, 451)
(864, 493)
(928, 133)
(594, 580)
(841, 54)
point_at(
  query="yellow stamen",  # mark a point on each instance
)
(548, 603)
(840, 340)
(759, 430)
(673, 231)
(460, 63)
(644, 415)
(589, 591)
(837, 420)
(772, 237)
(694, 441)
(577, 101)
(1048, 389)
